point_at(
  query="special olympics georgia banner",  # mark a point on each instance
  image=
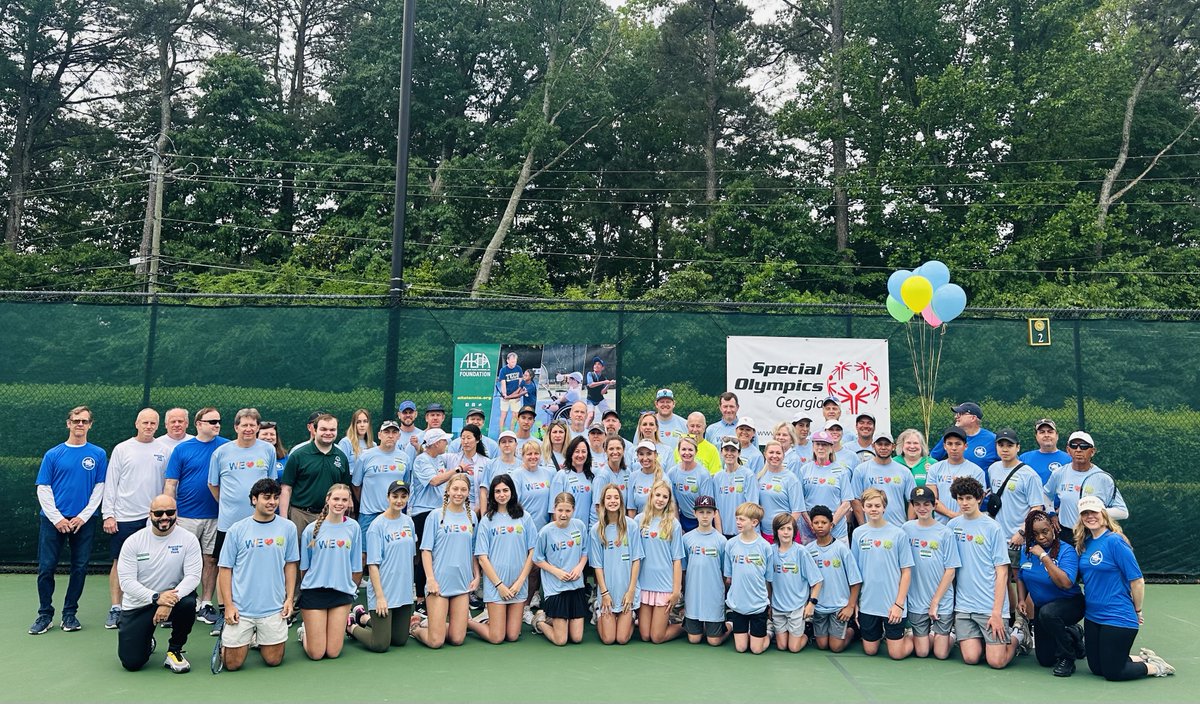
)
(774, 377)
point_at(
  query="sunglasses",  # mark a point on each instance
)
(267, 425)
(1079, 446)
(168, 512)
(210, 422)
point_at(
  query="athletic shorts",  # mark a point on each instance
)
(511, 404)
(205, 530)
(922, 625)
(708, 629)
(876, 628)
(321, 598)
(124, 530)
(754, 624)
(969, 625)
(791, 622)
(650, 598)
(569, 604)
(828, 625)
(270, 630)
(364, 522)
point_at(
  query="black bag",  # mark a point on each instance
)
(995, 503)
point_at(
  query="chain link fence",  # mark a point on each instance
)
(1127, 376)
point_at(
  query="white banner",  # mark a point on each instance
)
(776, 377)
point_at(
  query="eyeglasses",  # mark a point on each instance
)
(159, 513)
(210, 422)
(1079, 446)
(267, 425)
(80, 421)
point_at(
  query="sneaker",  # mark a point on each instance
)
(420, 610)
(41, 625)
(300, 634)
(475, 601)
(538, 619)
(166, 624)
(114, 618)
(1065, 667)
(70, 623)
(207, 614)
(357, 614)
(770, 629)
(176, 663)
(481, 617)
(1076, 634)
(1017, 635)
(153, 644)
(217, 626)
(526, 616)
(1152, 658)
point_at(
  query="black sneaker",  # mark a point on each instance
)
(1065, 667)
(41, 625)
(71, 623)
(207, 614)
(475, 602)
(1076, 633)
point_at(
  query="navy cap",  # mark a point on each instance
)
(954, 431)
(706, 502)
(435, 407)
(969, 407)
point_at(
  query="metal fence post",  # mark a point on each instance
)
(151, 338)
(617, 352)
(1079, 378)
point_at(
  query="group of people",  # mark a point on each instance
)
(686, 529)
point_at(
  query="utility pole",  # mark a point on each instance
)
(156, 232)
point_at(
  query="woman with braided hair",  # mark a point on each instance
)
(330, 567)
(448, 555)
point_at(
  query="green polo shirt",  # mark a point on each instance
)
(311, 472)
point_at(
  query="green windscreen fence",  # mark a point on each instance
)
(1130, 381)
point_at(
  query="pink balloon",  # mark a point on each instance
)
(930, 317)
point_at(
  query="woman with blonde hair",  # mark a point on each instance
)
(554, 445)
(661, 576)
(330, 567)
(359, 436)
(912, 451)
(448, 555)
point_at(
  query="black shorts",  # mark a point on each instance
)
(218, 544)
(324, 598)
(709, 629)
(124, 530)
(876, 628)
(569, 604)
(754, 624)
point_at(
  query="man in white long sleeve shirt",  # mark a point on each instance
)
(135, 477)
(70, 485)
(159, 568)
(176, 423)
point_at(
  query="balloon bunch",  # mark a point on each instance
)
(926, 290)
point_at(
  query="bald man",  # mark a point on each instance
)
(159, 567)
(135, 477)
(578, 418)
(707, 453)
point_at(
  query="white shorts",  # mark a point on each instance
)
(270, 630)
(205, 530)
(511, 404)
(791, 622)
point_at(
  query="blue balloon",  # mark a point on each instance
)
(937, 273)
(948, 302)
(897, 278)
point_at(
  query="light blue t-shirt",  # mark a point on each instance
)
(374, 471)
(495, 468)
(934, 551)
(882, 554)
(732, 489)
(1069, 485)
(840, 570)
(671, 430)
(189, 466)
(639, 490)
(982, 548)
(533, 493)
(256, 553)
(234, 470)
(795, 574)
(578, 485)
(895, 480)
(616, 561)
(333, 557)
(425, 497)
(715, 432)
(828, 486)
(605, 476)
(704, 576)
(687, 485)
(752, 458)
(660, 552)
(748, 567)
(779, 492)
(942, 474)
(72, 473)
(562, 548)
(478, 465)
(506, 541)
(451, 540)
(392, 545)
(1023, 492)
(797, 456)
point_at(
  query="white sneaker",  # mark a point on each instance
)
(481, 617)
(300, 634)
(176, 663)
(527, 616)
(538, 620)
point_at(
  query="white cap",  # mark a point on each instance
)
(434, 435)
(1090, 503)
(801, 415)
(507, 434)
(1080, 435)
(647, 445)
(832, 422)
(746, 421)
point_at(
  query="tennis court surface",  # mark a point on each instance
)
(83, 666)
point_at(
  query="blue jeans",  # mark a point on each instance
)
(50, 545)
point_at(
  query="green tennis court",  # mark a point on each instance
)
(82, 666)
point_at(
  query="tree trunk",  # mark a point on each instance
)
(506, 221)
(841, 203)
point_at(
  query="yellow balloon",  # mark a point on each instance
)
(916, 292)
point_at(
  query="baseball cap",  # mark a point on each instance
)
(609, 412)
(745, 421)
(860, 416)
(1044, 421)
(526, 411)
(954, 431)
(435, 435)
(821, 436)
(397, 486)
(389, 425)
(1080, 435)
(507, 434)
(968, 407)
(831, 399)
(476, 412)
(1007, 434)
(886, 437)
(801, 415)
(597, 359)
(647, 445)
(922, 493)
(1090, 503)
(596, 428)
(730, 442)
(434, 407)
(312, 417)
(664, 393)
(406, 405)
(705, 502)
(576, 376)
(833, 423)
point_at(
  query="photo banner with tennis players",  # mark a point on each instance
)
(501, 379)
(777, 377)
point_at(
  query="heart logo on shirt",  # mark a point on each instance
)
(570, 543)
(878, 543)
(887, 480)
(341, 543)
(654, 534)
(269, 541)
(510, 529)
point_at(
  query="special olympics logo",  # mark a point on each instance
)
(1096, 558)
(89, 463)
(854, 384)
(475, 361)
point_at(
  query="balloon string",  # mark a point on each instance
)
(913, 354)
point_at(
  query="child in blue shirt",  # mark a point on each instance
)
(330, 567)
(842, 583)
(661, 578)
(504, 548)
(795, 587)
(748, 569)
(704, 581)
(885, 562)
(448, 555)
(615, 553)
(561, 554)
(935, 560)
(391, 549)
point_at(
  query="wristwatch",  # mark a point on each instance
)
(813, 600)
(154, 599)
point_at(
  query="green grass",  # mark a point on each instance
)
(82, 666)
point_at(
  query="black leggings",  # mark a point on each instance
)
(419, 565)
(1108, 652)
(1051, 639)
